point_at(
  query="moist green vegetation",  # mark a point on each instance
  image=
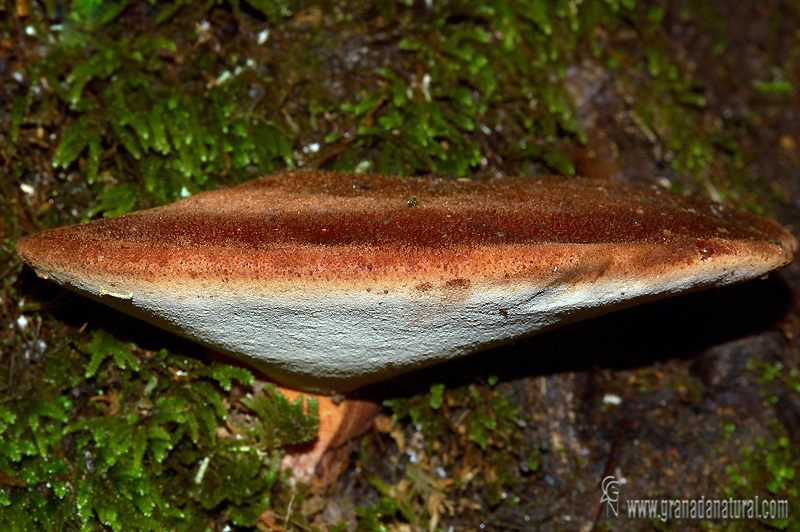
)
(461, 440)
(110, 107)
(105, 435)
(473, 68)
(147, 101)
(768, 469)
(669, 106)
(150, 116)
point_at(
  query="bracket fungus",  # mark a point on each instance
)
(328, 281)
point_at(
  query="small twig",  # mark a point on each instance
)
(288, 512)
(613, 456)
(14, 264)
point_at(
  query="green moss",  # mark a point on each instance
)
(775, 378)
(478, 429)
(767, 471)
(106, 435)
(670, 110)
(472, 67)
(376, 517)
(152, 110)
(442, 90)
(131, 118)
(777, 85)
(770, 468)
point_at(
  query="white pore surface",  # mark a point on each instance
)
(340, 341)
